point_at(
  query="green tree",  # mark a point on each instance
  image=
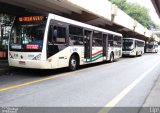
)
(122, 4)
(137, 12)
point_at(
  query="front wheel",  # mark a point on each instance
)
(72, 63)
(136, 54)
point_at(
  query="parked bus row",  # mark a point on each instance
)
(54, 42)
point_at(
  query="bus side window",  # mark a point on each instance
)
(115, 42)
(59, 35)
(110, 40)
(97, 39)
(75, 35)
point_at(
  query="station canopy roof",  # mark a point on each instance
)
(84, 13)
(156, 4)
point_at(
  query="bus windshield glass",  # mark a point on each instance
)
(27, 36)
(128, 44)
(150, 46)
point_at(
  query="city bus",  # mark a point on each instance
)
(50, 42)
(133, 47)
(152, 47)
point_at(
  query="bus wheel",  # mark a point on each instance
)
(111, 58)
(136, 54)
(72, 63)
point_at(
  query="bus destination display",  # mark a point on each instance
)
(31, 19)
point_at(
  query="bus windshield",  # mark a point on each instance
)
(128, 44)
(150, 46)
(27, 37)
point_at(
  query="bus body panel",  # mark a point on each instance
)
(30, 64)
(117, 52)
(27, 60)
(61, 59)
(151, 50)
(136, 51)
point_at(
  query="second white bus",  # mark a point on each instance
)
(152, 47)
(54, 42)
(133, 47)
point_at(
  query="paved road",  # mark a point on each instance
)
(125, 83)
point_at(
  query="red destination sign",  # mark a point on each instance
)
(32, 46)
(31, 18)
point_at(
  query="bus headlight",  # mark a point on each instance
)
(38, 57)
(10, 56)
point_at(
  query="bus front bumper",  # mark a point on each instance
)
(34, 64)
(128, 53)
(151, 51)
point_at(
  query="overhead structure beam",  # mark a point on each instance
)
(101, 13)
(156, 4)
(83, 17)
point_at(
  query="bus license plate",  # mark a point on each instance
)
(22, 62)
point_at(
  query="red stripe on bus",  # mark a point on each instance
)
(97, 53)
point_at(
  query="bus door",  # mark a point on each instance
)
(87, 45)
(105, 46)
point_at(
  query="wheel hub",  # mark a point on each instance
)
(73, 63)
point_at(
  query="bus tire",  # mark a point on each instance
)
(136, 54)
(111, 58)
(73, 63)
(156, 51)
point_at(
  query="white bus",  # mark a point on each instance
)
(152, 47)
(54, 42)
(133, 47)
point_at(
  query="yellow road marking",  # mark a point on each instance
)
(124, 92)
(47, 78)
(32, 82)
(52, 77)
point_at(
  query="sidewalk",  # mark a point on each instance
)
(152, 103)
(4, 67)
(153, 99)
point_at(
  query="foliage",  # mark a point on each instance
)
(122, 4)
(137, 12)
(5, 18)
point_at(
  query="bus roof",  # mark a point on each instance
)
(134, 39)
(66, 20)
(153, 43)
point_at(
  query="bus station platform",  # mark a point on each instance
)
(153, 99)
(152, 102)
